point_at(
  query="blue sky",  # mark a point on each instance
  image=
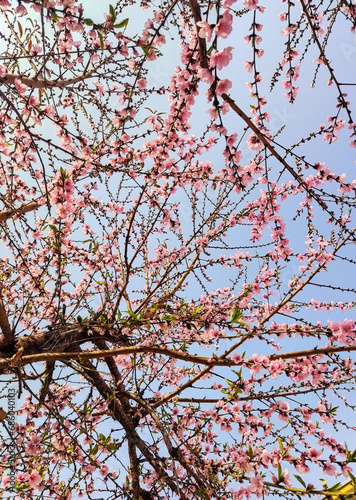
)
(312, 108)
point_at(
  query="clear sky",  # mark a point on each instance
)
(311, 109)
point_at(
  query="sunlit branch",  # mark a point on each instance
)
(23, 209)
(209, 362)
(301, 491)
(46, 84)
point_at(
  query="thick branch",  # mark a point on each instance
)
(174, 452)
(46, 84)
(201, 41)
(5, 325)
(209, 362)
(122, 416)
(23, 209)
(301, 491)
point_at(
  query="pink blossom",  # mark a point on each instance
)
(248, 66)
(286, 478)
(330, 470)
(22, 477)
(330, 137)
(319, 60)
(228, 3)
(6, 481)
(236, 357)
(314, 454)
(101, 88)
(221, 58)
(223, 86)
(35, 7)
(36, 49)
(141, 83)
(283, 406)
(224, 26)
(256, 485)
(104, 470)
(205, 30)
(34, 479)
(205, 76)
(21, 10)
(34, 446)
(4, 4)
(61, 211)
(69, 186)
(251, 4)
(20, 87)
(254, 143)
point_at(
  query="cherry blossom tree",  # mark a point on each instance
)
(177, 274)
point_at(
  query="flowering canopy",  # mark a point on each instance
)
(176, 294)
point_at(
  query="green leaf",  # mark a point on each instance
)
(94, 450)
(353, 478)
(168, 317)
(20, 487)
(132, 314)
(54, 16)
(235, 315)
(146, 49)
(336, 487)
(101, 40)
(197, 311)
(298, 478)
(280, 472)
(122, 24)
(333, 410)
(88, 22)
(112, 13)
(280, 446)
(231, 384)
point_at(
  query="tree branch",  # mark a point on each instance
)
(122, 416)
(271, 149)
(201, 41)
(46, 84)
(23, 209)
(209, 362)
(8, 334)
